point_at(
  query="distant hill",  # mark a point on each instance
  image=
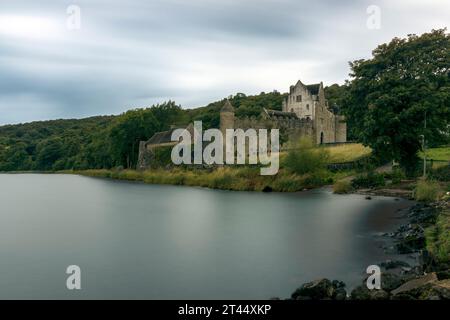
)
(108, 141)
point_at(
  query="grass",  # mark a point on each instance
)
(427, 191)
(243, 178)
(437, 237)
(441, 153)
(347, 152)
(342, 186)
(342, 153)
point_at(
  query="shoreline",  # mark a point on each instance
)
(224, 178)
(427, 279)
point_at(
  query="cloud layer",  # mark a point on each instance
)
(133, 53)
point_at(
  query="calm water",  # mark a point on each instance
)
(166, 242)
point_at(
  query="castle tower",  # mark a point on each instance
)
(226, 117)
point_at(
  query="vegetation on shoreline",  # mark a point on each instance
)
(224, 178)
(438, 237)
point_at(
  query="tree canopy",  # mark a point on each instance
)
(400, 94)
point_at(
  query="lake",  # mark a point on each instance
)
(139, 241)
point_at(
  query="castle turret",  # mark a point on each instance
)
(226, 117)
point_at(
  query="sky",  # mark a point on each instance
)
(73, 59)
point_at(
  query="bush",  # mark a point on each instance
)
(342, 187)
(427, 191)
(397, 175)
(288, 183)
(438, 238)
(441, 174)
(305, 157)
(369, 180)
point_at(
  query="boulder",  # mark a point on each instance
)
(363, 293)
(322, 289)
(390, 281)
(416, 286)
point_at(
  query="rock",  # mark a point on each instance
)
(267, 189)
(414, 285)
(443, 275)
(363, 293)
(410, 240)
(441, 289)
(322, 289)
(368, 198)
(341, 294)
(390, 281)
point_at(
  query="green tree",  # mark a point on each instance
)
(391, 95)
(127, 131)
(48, 152)
(305, 157)
(15, 158)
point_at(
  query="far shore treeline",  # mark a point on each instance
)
(390, 101)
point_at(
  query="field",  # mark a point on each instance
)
(441, 153)
(347, 152)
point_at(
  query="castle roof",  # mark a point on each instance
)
(161, 137)
(284, 114)
(313, 88)
(166, 136)
(227, 107)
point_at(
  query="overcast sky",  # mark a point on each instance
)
(133, 53)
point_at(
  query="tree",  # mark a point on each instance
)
(401, 93)
(15, 158)
(127, 131)
(48, 152)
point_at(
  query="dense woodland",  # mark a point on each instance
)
(108, 141)
(392, 99)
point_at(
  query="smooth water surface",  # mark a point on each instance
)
(133, 240)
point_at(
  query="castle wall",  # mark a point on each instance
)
(293, 127)
(341, 129)
(324, 123)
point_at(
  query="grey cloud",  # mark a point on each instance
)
(135, 53)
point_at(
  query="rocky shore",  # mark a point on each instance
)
(428, 279)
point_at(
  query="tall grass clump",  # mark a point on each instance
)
(437, 237)
(427, 191)
(342, 187)
(305, 157)
(368, 180)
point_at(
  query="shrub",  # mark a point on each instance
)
(288, 183)
(369, 180)
(397, 175)
(441, 174)
(305, 157)
(342, 186)
(438, 238)
(427, 190)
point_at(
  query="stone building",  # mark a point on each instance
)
(308, 102)
(305, 112)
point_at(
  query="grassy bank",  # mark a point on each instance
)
(441, 153)
(225, 178)
(301, 168)
(438, 237)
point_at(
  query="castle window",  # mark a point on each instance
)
(299, 98)
(307, 107)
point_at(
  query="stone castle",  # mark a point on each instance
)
(305, 112)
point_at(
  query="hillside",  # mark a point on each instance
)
(108, 141)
